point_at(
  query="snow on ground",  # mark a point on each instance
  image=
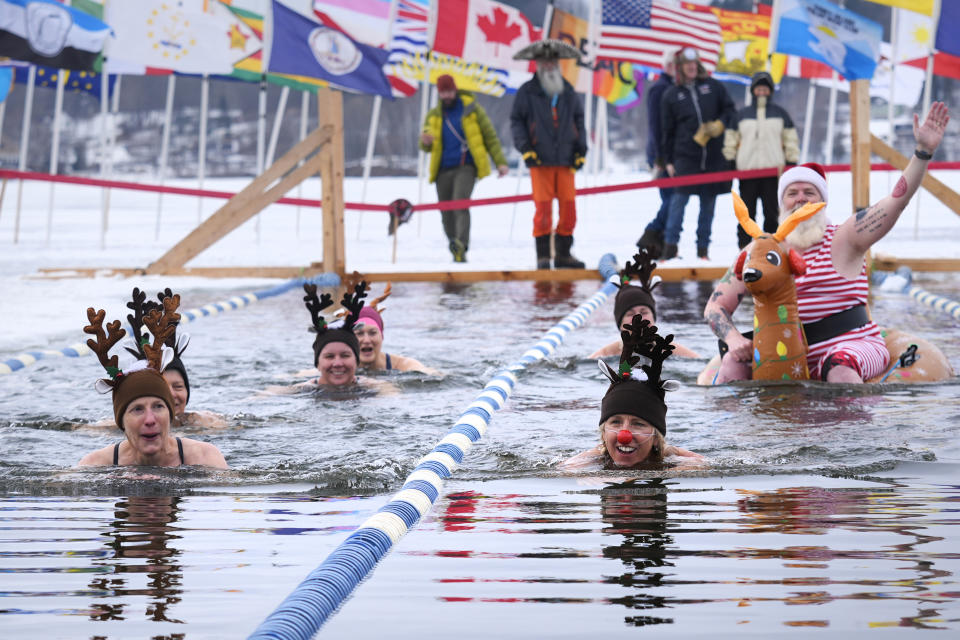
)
(38, 313)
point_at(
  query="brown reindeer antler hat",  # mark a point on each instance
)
(639, 393)
(144, 377)
(636, 286)
(351, 302)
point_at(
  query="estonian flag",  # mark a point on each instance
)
(303, 47)
(49, 33)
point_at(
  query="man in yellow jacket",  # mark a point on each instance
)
(460, 137)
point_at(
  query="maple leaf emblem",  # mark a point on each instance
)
(499, 30)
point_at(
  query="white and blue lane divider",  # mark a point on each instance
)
(315, 599)
(79, 349)
(901, 281)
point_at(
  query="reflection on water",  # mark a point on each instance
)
(141, 539)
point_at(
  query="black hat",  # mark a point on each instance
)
(636, 286)
(326, 334)
(639, 393)
(761, 77)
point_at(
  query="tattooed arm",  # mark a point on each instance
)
(719, 314)
(867, 226)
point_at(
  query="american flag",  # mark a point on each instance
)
(641, 31)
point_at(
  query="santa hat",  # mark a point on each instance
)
(810, 172)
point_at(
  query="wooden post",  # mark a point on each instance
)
(253, 198)
(938, 189)
(860, 143)
(330, 116)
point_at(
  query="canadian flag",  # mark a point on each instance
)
(483, 31)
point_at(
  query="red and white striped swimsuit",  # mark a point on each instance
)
(822, 292)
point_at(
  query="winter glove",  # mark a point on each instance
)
(714, 128)
(701, 137)
(530, 159)
(578, 160)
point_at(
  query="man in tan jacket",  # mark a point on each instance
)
(761, 136)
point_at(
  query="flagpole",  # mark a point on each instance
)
(424, 105)
(104, 150)
(165, 148)
(261, 139)
(894, 27)
(368, 157)
(114, 108)
(55, 147)
(927, 93)
(3, 116)
(24, 144)
(304, 115)
(202, 147)
(808, 120)
(831, 117)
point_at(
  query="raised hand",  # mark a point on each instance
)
(929, 134)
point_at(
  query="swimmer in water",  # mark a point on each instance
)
(142, 402)
(633, 413)
(635, 298)
(369, 332)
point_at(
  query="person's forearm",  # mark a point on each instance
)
(721, 322)
(876, 221)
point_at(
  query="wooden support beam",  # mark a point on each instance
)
(330, 114)
(860, 143)
(937, 189)
(252, 199)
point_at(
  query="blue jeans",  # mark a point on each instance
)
(659, 222)
(678, 202)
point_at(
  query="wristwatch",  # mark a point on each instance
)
(923, 155)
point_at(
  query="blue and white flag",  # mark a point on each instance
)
(841, 39)
(304, 47)
(88, 82)
(49, 33)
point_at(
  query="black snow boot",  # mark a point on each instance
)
(653, 241)
(543, 251)
(563, 259)
(669, 251)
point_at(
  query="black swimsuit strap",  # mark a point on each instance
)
(116, 454)
(180, 448)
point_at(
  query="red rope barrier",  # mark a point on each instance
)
(680, 181)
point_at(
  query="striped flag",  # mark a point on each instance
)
(408, 46)
(641, 31)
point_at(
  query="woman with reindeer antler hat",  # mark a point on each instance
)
(336, 350)
(142, 402)
(633, 412)
(635, 298)
(175, 372)
(369, 332)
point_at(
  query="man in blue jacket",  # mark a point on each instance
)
(652, 237)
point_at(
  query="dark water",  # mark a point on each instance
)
(826, 507)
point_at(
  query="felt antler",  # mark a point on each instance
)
(353, 303)
(315, 305)
(640, 338)
(376, 301)
(135, 319)
(104, 340)
(162, 326)
(640, 270)
(178, 340)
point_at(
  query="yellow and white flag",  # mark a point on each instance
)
(919, 6)
(189, 36)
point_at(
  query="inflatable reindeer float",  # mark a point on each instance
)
(767, 268)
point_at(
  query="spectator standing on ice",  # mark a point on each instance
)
(460, 137)
(548, 129)
(652, 237)
(692, 120)
(761, 136)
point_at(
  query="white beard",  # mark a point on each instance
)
(551, 81)
(807, 233)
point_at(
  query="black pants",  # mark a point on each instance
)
(766, 190)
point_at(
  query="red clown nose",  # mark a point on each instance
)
(624, 437)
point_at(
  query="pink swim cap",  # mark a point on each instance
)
(371, 314)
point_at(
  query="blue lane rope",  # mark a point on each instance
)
(79, 349)
(315, 599)
(902, 280)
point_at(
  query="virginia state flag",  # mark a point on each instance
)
(820, 30)
(306, 48)
(49, 33)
